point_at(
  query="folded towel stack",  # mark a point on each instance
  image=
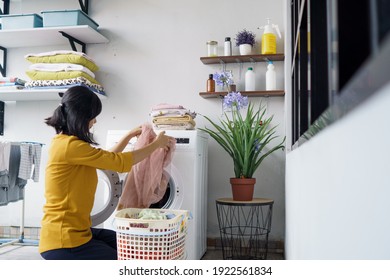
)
(10, 83)
(173, 117)
(62, 69)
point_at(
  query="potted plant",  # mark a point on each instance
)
(245, 40)
(247, 139)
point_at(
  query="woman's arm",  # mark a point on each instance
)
(122, 143)
(161, 141)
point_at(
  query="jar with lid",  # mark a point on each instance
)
(212, 48)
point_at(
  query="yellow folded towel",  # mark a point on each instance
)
(173, 120)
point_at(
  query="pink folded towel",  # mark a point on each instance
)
(162, 106)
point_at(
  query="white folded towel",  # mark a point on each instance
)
(58, 67)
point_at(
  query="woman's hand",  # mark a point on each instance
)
(135, 132)
(164, 141)
(161, 141)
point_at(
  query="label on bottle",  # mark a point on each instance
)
(268, 43)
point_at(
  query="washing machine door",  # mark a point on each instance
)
(109, 190)
(173, 196)
(107, 195)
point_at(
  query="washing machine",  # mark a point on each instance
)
(186, 190)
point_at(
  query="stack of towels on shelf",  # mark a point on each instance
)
(61, 70)
(173, 117)
(11, 83)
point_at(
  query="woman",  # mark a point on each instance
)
(71, 179)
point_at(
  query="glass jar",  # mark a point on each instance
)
(212, 48)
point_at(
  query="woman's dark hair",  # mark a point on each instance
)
(78, 107)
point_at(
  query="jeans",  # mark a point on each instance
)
(102, 246)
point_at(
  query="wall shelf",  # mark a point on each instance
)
(44, 36)
(242, 58)
(261, 93)
(34, 95)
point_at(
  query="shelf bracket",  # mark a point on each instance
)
(84, 6)
(223, 64)
(3, 67)
(1, 118)
(5, 10)
(72, 42)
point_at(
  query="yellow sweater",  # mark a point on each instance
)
(70, 187)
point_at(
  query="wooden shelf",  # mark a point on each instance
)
(34, 95)
(261, 93)
(44, 36)
(242, 58)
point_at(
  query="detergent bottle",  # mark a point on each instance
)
(250, 82)
(268, 39)
(270, 77)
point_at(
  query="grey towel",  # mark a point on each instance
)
(4, 184)
(16, 186)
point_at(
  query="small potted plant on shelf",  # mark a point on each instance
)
(246, 139)
(245, 40)
(224, 79)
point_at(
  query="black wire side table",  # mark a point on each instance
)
(244, 227)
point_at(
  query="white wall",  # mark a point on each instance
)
(337, 183)
(337, 188)
(153, 57)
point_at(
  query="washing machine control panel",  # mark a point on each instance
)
(182, 140)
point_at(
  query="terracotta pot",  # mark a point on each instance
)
(242, 188)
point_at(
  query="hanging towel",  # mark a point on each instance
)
(5, 150)
(147, 182)
(16, 185)
(30, 157)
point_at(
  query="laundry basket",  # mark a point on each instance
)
(141, 239)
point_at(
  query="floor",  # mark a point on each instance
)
(19, 252)
(30, 252)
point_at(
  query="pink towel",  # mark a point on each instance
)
(163, 106)
(146, 182)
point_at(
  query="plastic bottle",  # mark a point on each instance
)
(270, 77)
(268, 39)
(211, 84)
(250, 81)
(227, 47)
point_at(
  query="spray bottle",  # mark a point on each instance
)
(268, 40)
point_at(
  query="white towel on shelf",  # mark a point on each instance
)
(58, 67)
